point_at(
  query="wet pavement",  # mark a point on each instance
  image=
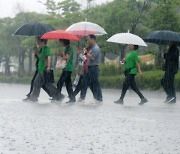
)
(88, 128)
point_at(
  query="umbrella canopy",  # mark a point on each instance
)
(33, 29)
(59, 34)
(163, 37)
(86, 28)
(127, 38)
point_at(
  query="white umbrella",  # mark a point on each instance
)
(86, 28)
(127, 38)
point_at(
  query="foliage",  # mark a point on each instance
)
(138, 16)
(151, 80)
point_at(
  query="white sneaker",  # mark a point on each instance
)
(171, 100)
(99, 102)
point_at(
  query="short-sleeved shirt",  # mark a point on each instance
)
(44, 53)
(69, 66)
(131, 60)
(96, 53)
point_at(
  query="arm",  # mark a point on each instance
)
(66, 56)
(139, 68)
(93, 54)
(90, 56)
(36, 52)
(49, 63)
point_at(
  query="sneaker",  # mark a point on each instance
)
(99, 101)
(30, 100)
(28, 95)
(167, 99)
(58, 98)
(71, 101)
(119, 101)
(143, 100)
(172, 100)
(80, 100)
(26, 99)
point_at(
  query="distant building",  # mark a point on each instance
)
(147, 59)
(13, 67)
(111, 58)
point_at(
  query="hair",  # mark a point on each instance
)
(65, 42)
(44, 41)
(136, 47)
(92, 36)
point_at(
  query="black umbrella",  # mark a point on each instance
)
(33, 29)
(162, 37)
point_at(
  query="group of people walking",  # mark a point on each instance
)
(88, 74)
(89, 78)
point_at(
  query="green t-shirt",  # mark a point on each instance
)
(131, 60)
(69, 66)
(44, 53)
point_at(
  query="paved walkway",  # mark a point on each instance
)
(58, 128)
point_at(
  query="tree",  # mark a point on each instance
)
(8, 47)
(61, 9)
(164, 15)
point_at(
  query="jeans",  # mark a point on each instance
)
(167, 83)
(80, 86)
(39, 82)
(130, 82)
(65, 78)
(91, 79)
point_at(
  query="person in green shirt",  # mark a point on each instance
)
(36, 53)
(132, 67)
(43, 70)
(67, 71)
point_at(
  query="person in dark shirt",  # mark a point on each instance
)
(170, 69)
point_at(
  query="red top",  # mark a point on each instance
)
(85, 64)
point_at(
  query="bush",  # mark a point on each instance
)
(109, 70)
(151, 80)
(15, 79)
(150, 67)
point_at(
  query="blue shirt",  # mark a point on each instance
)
(96, 53)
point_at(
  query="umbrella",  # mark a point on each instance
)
(163, 37)
(59, 34)
(33, 29)
(86, 28)
(127, 38)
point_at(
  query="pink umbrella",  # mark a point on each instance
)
(86, 28)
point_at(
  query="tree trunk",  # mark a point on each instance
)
(30, 62)
(21, 62)
(7, 65)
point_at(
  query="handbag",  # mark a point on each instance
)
(49, 76)
(80, 69)
(61, 63)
